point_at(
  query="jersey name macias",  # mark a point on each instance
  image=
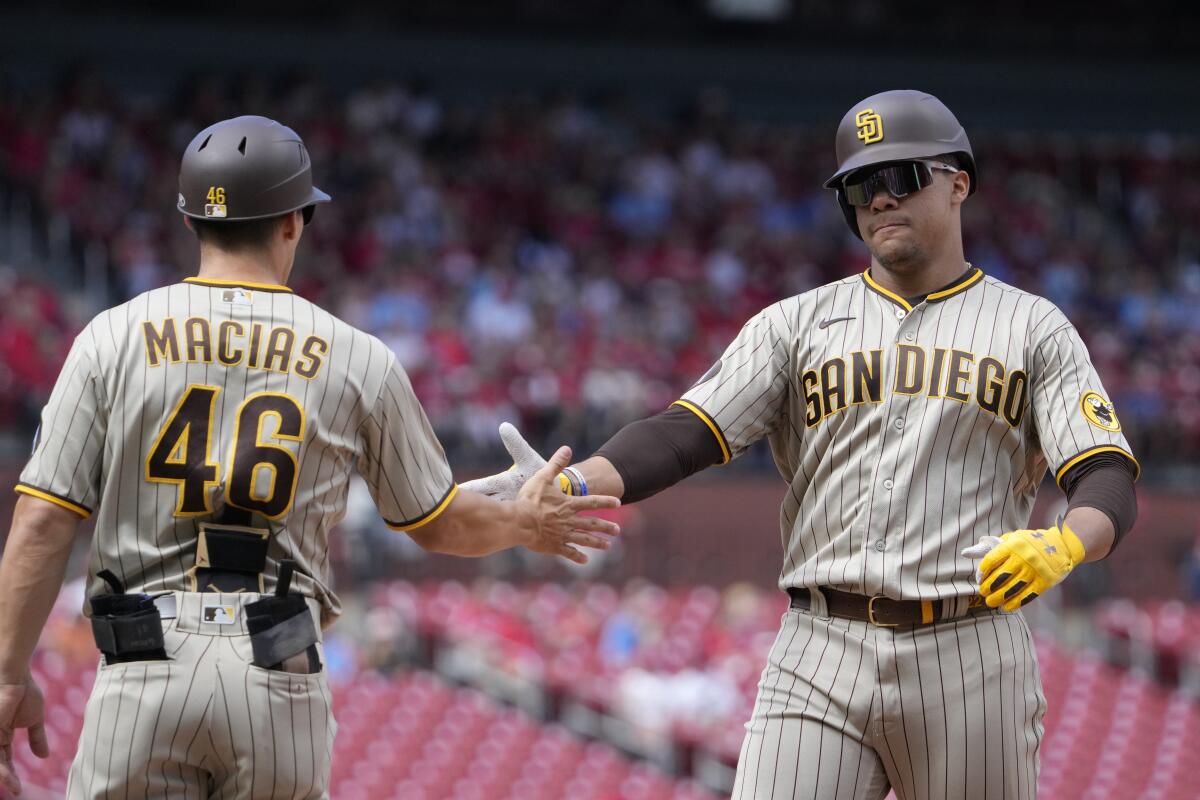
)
(207, 395)
(906, 432)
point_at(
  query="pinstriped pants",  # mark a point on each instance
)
(846, 710)
(206, 723)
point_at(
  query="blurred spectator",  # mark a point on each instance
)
(572, 267)
(1191, 574)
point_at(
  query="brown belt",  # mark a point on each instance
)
(884, 611)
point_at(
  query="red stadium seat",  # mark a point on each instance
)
(1109, 733)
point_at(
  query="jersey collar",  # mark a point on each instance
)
(968, 279)
(265, 287)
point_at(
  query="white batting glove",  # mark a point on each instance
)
(526, 462)
(978, 551)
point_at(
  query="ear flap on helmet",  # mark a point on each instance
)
(848, 213)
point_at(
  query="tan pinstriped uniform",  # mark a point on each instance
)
(190, 400)
(904, 434)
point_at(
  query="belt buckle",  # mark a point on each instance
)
(871, 613)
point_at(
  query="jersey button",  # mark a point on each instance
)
(879, 545)
(899, 313)
(909, 336)
(899, 424)
(887, 484)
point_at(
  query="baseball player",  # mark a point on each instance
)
(212, 427)
(913, 411)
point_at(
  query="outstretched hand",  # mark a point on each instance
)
(21, 706)
(557, 523)
(526, 462)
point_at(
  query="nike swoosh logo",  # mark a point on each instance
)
(825, 323)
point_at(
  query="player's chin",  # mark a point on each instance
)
(894, 248)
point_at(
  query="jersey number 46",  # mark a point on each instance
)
(181, 453)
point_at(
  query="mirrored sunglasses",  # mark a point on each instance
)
(900, 179)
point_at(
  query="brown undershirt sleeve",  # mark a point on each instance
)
(658, 452)
(1104, 482)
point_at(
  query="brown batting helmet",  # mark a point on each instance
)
(900, 125)
(246, 168)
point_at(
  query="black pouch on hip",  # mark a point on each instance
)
(283, 634)
(126, 627)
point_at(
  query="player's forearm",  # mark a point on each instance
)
(1094, 529)
(601, 476)
(31, 573)
(473, 525)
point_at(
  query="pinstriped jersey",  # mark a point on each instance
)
(205, 398)
(906, 432)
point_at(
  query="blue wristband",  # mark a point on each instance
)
(578, 476)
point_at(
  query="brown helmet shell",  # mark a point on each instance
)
(246, 168)
(899, 125)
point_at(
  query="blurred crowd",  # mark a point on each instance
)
(572, 264)
(678, 662)
(685, 662)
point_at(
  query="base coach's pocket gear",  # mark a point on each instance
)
(207, 721)
(282, 632)
(229, 558)
(126, 627)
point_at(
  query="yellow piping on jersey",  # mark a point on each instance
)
(61, 502)
(973, 277)
(969, 282)
(1104, 448)
(430, 517)
(712, 426)
(895, 298)
(271, 287)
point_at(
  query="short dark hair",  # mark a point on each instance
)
(238, 235)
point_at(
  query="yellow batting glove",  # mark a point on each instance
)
(1024, 564)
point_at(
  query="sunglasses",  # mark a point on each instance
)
(900, 179)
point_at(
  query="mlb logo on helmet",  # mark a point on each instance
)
(870, 126)
(214, 210)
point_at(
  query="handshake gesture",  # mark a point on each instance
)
(504, 486)
(549, 520)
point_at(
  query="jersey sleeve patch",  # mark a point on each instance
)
(1099, 411)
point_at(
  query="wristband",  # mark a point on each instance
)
(564, 483)
(578, 476)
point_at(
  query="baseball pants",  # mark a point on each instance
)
(846, 709)
(207, 723)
